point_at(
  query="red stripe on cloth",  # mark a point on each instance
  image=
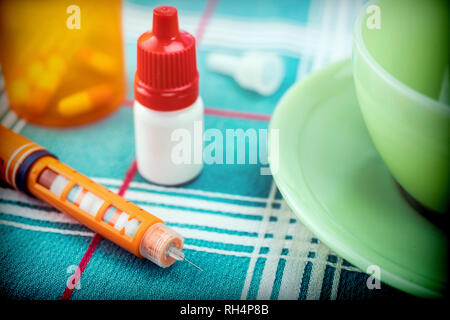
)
(83, 263)
(225, 113)
(129, 176)
(207, 14)
(237, 114)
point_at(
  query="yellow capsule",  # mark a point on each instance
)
(19, 92)
(43, 82)
(24, 96)
(98, 61)
(56, 64)
(42, 94)
(35, 70)
(85, 101)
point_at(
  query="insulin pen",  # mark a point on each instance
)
(30, 168)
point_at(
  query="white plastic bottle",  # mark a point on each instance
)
(168, 112)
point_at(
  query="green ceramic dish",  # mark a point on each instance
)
(401, 78)
(333, 178)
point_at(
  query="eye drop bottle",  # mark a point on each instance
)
(168, 112)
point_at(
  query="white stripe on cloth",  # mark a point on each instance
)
(193, 203)
(278, 243)
(336, 279)
(4, 104)
(142, 16)
(335, 38)
(293, 270)
(262, 227)
(206, 220)
(186, 191)
(19, 126)
(317, 273)
(9, 119)
(45, 229)
(14, 195)
(313, 23)
(238, 33)
(36, 214)
(322, 52)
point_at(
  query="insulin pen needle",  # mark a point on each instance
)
(193, 264)
(179, 255)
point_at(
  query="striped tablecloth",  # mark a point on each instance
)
(236, 224)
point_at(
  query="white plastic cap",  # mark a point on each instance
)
(258, 71)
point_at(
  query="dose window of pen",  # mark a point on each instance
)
(53, 181)
(119, 220)
(88, 202)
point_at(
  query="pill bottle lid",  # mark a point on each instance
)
(166, 78)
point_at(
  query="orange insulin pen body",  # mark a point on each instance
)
(30, 168)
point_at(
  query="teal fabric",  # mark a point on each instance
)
(236, 225)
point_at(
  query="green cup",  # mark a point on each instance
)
(401, 72)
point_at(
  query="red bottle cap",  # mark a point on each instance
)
(166, 77)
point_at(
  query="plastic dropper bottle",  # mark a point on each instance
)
(168, 112)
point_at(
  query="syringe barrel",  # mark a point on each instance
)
(38, 173)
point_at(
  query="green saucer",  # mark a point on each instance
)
(333, 179)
